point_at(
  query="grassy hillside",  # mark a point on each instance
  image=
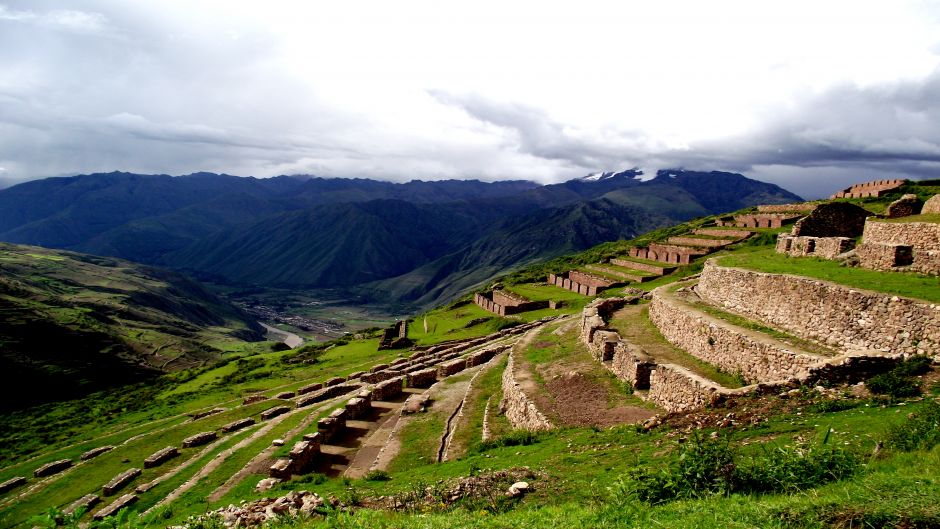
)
(74, 323)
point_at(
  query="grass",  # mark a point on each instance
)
(746, 323)
(933, 218)
(633, 324)
(900, 283)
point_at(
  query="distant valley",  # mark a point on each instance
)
(396, 246)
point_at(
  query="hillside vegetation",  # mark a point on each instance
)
(73, 323)
(858, 453)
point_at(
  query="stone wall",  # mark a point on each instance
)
(504, 303)
(828, 313)
(632, 364)
(905, 206)
(723, 345)
(835, 219)
(869, 189)
(516, 405)
(567, 281)
(932, 206)
(822, 247)
(675, 388)
(802, 207)
(758, 220)
(886, 245)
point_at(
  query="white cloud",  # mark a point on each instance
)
(546, 90)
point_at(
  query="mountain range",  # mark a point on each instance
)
(409, 244)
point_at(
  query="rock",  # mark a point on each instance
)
(278, 442)
(518, 489)
(310, 504)
(266, 484)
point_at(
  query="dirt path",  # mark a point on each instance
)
(576, 389)
(459, 420)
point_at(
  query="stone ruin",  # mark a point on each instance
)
(85, 502)
(758, 220)
(200, 439)
(905, 206)
(395, 337)
(199, 415)
(52, 468)
(827, 232)
(582, 283)
(95, 452)
(271, 413)
(115, 506)
(932, 206)
(161, 456)
(11, 484)
(120, 481)
(251, 399)
(900, 246)
(504, 303)
(238, 425)
(301, 458)
(328, 427)
(799, 207)
(874, 188)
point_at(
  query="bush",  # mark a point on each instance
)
(518, 438)
(707, 466)
(899, 382)
(920, 431)
(377, 475)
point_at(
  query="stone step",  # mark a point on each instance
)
(620, 273)
(643, 266)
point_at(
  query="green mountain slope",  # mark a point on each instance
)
(73, 323)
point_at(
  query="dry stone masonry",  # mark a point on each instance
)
(758, 220)
(833, 219)
(905, 206)
(503, 302)
(52, 468)
(161, 456)
(200, 439)
(932, 206)
(822, 247)
(120, 481)
(11, 484)
(238, 425)
(907, 246)
(116, 506)
(831, 314)
(875, 188)
(517, 407)
(95, 452)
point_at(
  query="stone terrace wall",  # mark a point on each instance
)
(831, 314)
(720, 344)
(804, 207)
(516, 405)
(675, 388)
(886, 245)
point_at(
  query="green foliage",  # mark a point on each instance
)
(516, 438)
(899, 382)
(708, 467)
(920, 431)
(377, 475)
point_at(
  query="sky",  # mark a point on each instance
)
(811, 95)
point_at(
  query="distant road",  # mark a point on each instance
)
(291, 339)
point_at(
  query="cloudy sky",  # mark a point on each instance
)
(812, 95)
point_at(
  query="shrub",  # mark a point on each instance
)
(892, 385)
(708, 466)
(377, 475)
(920, 431)
(517, 438)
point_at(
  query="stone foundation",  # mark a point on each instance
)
(831, 314)
(423, 378)
(388, 389)
(271, 413)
